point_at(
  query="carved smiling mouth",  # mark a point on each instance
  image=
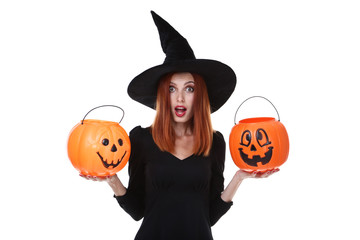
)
(112, 164)
(256, 158)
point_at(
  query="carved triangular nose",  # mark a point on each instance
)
(253, 148)
(114, 149)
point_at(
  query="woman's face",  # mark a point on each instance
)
(181, 89)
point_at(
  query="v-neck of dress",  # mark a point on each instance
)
(172, 155)
(179, 159)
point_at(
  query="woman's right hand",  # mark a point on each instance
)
(113, 181)
(94, 178)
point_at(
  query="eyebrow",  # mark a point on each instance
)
(184, 84)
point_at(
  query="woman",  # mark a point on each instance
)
(176, 165)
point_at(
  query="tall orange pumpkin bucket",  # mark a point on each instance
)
(260, 143)
(97, 147)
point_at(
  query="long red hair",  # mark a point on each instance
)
(162, 131)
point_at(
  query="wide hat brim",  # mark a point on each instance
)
(219, 78)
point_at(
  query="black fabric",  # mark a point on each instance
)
(177, 199)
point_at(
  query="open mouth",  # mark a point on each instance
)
(180, 111)
(111, 165)
(256, 158)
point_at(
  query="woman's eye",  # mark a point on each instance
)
(189, 89)
(171, 89)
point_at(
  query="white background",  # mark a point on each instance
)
(59, 59)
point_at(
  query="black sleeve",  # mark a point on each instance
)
(217, 206)
(133, 202)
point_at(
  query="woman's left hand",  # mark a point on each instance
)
(241, 174)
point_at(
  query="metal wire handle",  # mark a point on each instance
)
(255, 97)
(105, 106)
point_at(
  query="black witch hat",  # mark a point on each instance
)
(220, 79)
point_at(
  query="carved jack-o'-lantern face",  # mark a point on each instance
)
(111, 150)
(255, 147)
(259, 144)
(98, 148)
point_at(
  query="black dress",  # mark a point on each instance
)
(178, 199)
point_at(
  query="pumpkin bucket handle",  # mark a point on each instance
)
(255, 97)
(105, 106)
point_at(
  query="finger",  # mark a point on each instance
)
(84, 176)
(101, 178)
(108, 179)
(256, 174)
(271, 172)
(97, 178)
(92, 178)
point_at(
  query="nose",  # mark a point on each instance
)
(113, 149)
(180, 97)
(253, 148)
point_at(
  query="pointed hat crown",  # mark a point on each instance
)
(175, 46)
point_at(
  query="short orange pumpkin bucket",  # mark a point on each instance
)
(98, 148)
(260, 143)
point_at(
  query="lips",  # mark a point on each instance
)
(180, 111)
